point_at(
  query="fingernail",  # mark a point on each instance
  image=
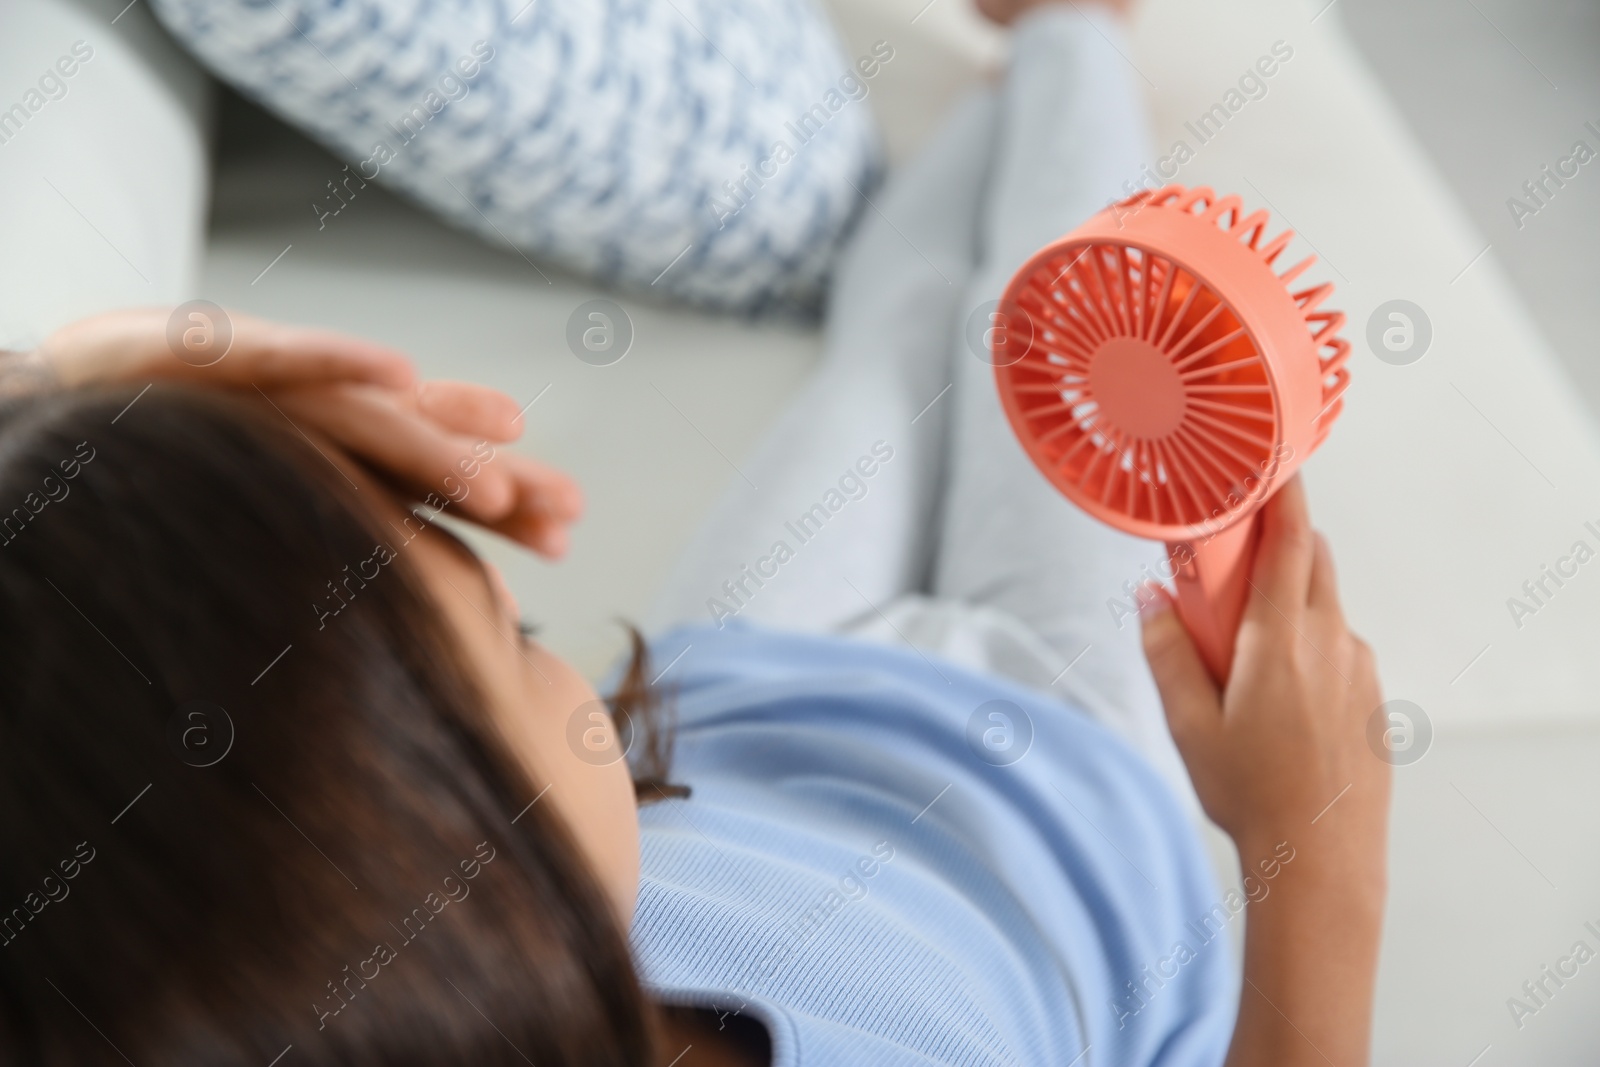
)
(1153, 601)
(553, 541)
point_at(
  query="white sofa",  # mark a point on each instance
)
(1447, 484)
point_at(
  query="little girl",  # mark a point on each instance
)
(283, 783)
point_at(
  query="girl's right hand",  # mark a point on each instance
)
(1281, 762)
(1286, 742)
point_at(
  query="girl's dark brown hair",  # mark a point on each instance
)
(639, 711)
(345, 884)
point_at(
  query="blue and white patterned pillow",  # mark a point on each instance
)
(714, 151)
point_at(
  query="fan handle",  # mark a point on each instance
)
(1213, 581)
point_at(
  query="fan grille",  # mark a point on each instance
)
(1134, 384)
(1141, 389)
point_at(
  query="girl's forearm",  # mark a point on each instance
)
(1310, 965)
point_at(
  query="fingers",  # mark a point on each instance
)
(404, 446)
(1324, 594)
(549, 539)
(547, 502)
(542, 491)
(1192, 702)
(467, 408)
(1281, 574)
(516, 496)
(1366, 691)
(433, 440)
(270, 356)
(232, 351)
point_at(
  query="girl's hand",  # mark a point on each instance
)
(434, 441)
(1285, 743)
(1280, 761)
(133, 345)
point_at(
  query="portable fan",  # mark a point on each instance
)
(1162, 374)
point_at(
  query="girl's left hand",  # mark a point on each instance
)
(436, 443)
(432, 440)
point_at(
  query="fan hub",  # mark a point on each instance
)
(1138, 389)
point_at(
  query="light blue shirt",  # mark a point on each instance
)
(890, 860)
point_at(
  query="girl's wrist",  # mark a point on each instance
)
(1354, 865)
(1345, 885)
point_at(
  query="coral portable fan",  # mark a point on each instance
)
(1163, 375)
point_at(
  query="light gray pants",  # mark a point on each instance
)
(891, 500)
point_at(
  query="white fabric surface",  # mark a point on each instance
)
(103, 189)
